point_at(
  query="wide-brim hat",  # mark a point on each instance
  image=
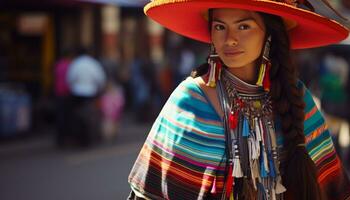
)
(188, 17)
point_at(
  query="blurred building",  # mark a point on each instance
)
(34, 34)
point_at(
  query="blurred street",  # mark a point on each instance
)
(34, 169)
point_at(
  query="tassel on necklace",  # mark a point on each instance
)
(248, 191)
(257, 130)
(272, 166)
(237, 168)
(253, 141)
(255, 150)
(279, 187)
(262, 131)
(229, 181)
(253, 154)
(273, 194)
(266, 166)
(263, 172)
(233, 119)
(245, 131)
(254, 172)
(231, 196)
(272, 136)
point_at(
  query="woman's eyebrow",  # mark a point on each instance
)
(235, 22)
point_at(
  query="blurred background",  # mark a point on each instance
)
(73, 132)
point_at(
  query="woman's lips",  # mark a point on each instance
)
(232, 53)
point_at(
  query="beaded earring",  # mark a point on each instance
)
(215, 66)
(264, 71)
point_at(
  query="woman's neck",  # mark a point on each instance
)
(247, 74)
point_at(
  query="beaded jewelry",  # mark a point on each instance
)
(249, 122)
(215, 66)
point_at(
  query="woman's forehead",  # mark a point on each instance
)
(233, 14)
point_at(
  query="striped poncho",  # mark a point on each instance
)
(184, 154)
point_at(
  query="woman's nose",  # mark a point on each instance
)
(231, 38)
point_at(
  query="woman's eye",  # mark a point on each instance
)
(243, 27)
(219, 27)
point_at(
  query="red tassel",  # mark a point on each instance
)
(266, 80)
(229, 182)
(233, 120)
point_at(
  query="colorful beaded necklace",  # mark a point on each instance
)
(250, 138)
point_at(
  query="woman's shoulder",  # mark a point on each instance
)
(211, 95)
(309, 98)
(314, 122)
(193, 95)
(188, 89)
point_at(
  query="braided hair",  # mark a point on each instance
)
(300, 173)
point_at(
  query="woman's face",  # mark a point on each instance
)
(238, 36)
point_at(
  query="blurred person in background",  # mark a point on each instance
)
(112, 101)
(187, 60)
(243, 126)
(112, 105)
(165, 81)
(62, 93)
(140, 84)
(86, 79)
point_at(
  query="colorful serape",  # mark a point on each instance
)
(184, 158)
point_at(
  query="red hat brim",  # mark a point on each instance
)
(186, 17)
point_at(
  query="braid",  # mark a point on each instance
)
(300, 174)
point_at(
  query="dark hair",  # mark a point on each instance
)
(299, 172)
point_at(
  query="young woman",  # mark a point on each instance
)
(243, 126)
